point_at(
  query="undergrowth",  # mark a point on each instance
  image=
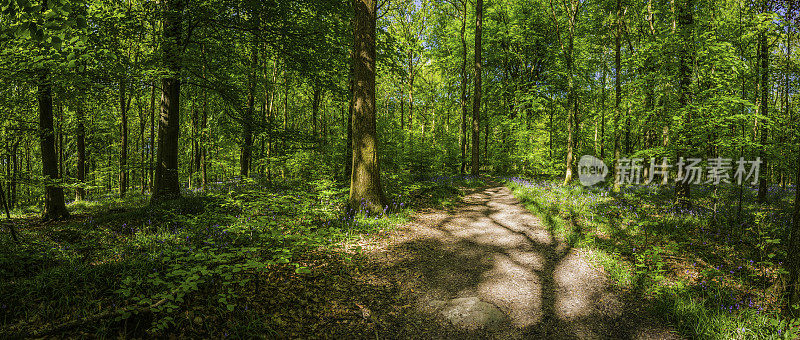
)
(715, 269)
(192, 266)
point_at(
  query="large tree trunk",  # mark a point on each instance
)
(80, 136)
(167, 185)
(54, 205)
(476, 103)
(366, 191)
(123, 154)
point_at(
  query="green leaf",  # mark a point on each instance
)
(23, 33)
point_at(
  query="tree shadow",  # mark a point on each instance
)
(491, 247)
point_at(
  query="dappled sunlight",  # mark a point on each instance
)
(492, 248)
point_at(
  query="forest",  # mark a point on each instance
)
(510, 169)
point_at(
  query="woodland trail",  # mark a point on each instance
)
(490, 247)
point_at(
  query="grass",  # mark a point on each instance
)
(714, 269)
(241, 259)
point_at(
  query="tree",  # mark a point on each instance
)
(763, 59)
(365, 182)
(80, 138)
(685, 23)
(123, 155)
(476, 103)
(166, 183)
(461, 8)
(54, 205)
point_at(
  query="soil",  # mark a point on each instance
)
(490, 247)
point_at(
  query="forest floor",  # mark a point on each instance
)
(261, 261)
(491, 247)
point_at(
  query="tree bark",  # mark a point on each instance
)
(476, 104)
(123, 154)
(685, 18)
(315, 108)
(80, 136)
(763, 58)
(366, 191)
(54, 205)
(463, 133)
(617, 90)
(572, 121)
(151, 150)
(167, 185)
(247, 120)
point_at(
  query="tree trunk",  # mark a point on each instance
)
(11, 227)
(572, 121)
(315, 108)
(366, 191)
(14, 174)
(763, 58)
(685, 18)
(476, 104)
(151, 151)
(141, 148)
(247, 120)
(80, 134)
(603, 111)
(463, 132)
(167, 185)
(123, 154)
(617, 91)
(54, 205)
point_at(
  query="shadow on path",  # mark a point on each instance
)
(492, 248)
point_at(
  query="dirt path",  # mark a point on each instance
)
(492, 248)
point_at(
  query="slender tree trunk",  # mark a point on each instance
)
(617, 90)
(167, 185)
(315, 108)
(603, 111)
(80, 132)
(54, 205)
(793, 254)
(411, 91)
(11, 228)
(142, 124)
(247, 120)
(14, 174)
(476, 104)
(365, 183)
(685, 18)
(572, 122)
(763, 58)
(152, 148)
(463, 132)
(348, 164)
(123, 154)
